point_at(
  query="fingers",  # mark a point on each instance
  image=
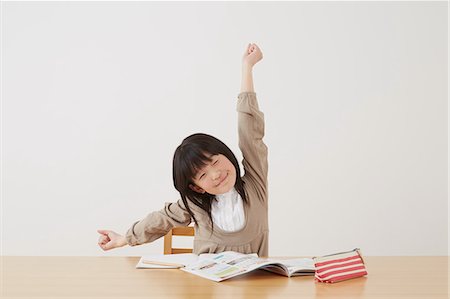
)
(103, 231)
(105, 247)
(104, 243)
(103, 240)
(251, 48)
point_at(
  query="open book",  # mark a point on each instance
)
(222, 266)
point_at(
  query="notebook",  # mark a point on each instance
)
(169, 261)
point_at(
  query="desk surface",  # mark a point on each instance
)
(95, 277)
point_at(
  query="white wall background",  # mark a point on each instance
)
(97, 96)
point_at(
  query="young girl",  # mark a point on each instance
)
(229, 210)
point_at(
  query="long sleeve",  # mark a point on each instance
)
(158, 223)
(251, 132)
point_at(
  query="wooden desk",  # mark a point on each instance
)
(96, 277)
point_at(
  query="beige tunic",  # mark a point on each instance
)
(254, 236)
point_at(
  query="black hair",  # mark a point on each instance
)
(191, 156)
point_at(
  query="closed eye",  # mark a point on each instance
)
(204, 174)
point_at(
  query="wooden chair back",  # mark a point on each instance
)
(177, 231)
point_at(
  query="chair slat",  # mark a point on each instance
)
(177, 231)
(181, 250)
(183, 231)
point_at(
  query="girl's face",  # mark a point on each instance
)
(218, 177)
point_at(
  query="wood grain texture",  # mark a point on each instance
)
(101, 277)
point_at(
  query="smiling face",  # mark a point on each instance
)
(217, 177)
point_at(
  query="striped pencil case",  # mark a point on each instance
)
(340, 266)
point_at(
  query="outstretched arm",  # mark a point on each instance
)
(157, 224)
(152, 227)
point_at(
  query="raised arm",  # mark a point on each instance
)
(247, 78)
(251, 123)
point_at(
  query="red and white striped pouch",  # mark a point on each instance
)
(340, 266)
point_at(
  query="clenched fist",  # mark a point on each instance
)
(109, 239)
(252, 55)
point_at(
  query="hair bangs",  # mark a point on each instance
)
(195, 160)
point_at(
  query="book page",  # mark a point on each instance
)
(302, 265)
(226, 265)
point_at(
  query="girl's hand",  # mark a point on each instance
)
(252, 55)
(110, 240)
